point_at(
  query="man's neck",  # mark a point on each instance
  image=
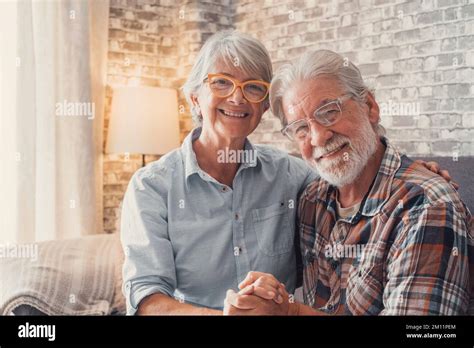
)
(355, 192)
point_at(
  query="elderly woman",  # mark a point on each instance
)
(197, 221)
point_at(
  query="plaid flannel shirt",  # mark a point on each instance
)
(404, 253)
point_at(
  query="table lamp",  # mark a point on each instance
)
(143, 120)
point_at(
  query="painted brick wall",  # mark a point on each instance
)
(152, 43)
(418, 56)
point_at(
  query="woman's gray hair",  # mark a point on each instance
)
(233, 49)
(310, 65)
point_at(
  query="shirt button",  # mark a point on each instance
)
(237, 251)
(224, 189)
(236, 216)
(330, 306)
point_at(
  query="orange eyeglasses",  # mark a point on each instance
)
(223, 86)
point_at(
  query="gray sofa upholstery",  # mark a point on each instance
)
(462, 172)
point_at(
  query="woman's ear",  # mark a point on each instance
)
(374, 110)
(195, 106)
(194, 100)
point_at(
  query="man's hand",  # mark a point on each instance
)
(260, 294)
(434, 167)
(263, 283)
(238, 304)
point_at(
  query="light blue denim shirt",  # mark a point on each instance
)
(188, 236)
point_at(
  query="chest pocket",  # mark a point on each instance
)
(365, 287)
(274, 232)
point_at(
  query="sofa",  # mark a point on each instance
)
(83, 276)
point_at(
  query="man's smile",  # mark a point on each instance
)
(333, 152)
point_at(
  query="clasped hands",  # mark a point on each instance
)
(259, 294)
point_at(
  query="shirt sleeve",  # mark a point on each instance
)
(149, 263)
(429, 271)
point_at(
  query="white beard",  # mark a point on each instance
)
(347, 166)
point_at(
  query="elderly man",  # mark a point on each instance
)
(379, 233)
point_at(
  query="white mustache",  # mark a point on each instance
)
(335, 143)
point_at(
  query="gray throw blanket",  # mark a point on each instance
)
(68, 277)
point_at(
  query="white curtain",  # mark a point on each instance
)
(53, 73)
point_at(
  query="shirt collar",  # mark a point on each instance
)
(381, 189)
(191, 165)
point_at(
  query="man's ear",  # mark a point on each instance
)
(266, 106)
(374, 110)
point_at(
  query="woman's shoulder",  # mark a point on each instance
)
(278, 159)
(160, 170)
(269, 151)
(272, 153)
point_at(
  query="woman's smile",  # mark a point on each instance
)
(233, 114)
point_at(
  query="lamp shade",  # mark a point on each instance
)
(143, 120)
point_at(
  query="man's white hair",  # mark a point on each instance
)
(233, 49)
(311, 65)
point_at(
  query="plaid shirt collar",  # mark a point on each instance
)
(380, 190)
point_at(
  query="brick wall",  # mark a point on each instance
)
(418, 56)
(152, 43)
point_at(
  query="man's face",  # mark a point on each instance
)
(341, 151)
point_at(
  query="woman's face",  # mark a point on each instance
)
(233, 116)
